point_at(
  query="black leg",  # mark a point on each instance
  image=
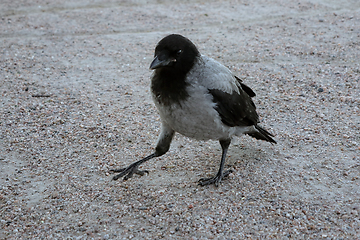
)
(162, 147)
(221, 174)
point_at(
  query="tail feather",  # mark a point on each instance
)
(262, 134)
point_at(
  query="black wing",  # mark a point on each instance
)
(247, 89)
(236, 109)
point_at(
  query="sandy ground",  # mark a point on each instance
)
(75, 103)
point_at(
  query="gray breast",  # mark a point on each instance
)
(195, 117)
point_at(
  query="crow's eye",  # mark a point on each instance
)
(178, 52)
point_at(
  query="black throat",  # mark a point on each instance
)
(169, 86)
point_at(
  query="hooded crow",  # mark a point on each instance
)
(199, 98)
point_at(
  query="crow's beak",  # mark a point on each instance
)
(157, 63)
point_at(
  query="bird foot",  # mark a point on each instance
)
(128, 172)
(214, 180)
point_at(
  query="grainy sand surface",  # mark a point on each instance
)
(75, 103)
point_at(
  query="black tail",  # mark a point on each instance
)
(262, 134)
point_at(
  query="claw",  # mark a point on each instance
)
(142, 173)
(117, 170)
(136, 171)
(128, 172)
(214, 180)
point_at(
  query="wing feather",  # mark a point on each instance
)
(235, 109)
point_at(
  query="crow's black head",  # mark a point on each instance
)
(175, 53)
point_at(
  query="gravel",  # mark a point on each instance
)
(75, 103)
